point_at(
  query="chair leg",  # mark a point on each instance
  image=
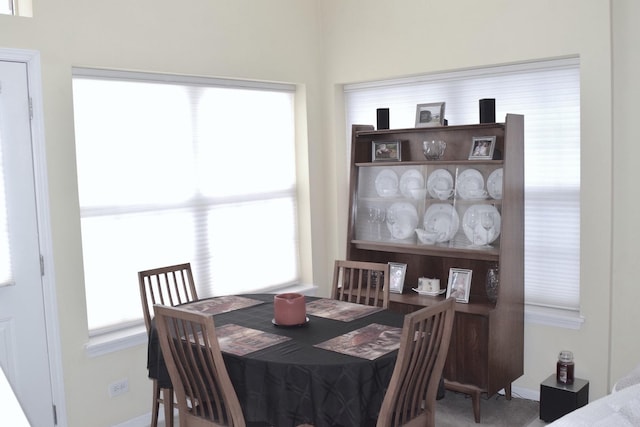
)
(167, 401)
(472, 391)
(155, 406)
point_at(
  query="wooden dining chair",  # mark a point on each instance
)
(410, 399)
(361, 282)
(171, 285)
(204, 393)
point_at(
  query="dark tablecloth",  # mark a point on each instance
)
(294, 382)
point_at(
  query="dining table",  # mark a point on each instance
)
(331, 370)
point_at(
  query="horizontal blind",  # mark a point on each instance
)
(6, 7)
(183, 170)
(547, 93)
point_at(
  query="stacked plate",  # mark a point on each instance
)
(481, 224)
(470, 185)
(440, 184)
(402, 220)
(410, 181)
(442, 219)
(494, 184)
(387, 183)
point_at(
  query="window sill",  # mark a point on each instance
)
(132, 336)
(553, 317)
(121, 339)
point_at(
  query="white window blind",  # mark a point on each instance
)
(6, 7)
(547, 93)
(174, 170)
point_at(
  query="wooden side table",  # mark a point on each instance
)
(557, 399)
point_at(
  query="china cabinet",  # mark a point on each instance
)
(468, 210)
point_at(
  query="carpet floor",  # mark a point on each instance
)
(456, 410)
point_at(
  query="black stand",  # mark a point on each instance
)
(557, 399)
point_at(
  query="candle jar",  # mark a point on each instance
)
(565, 367)
(289, 309)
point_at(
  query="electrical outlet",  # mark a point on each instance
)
(118, 387)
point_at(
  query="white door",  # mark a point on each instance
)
(23, 339)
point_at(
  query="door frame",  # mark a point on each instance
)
(34, 77)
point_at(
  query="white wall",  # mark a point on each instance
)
(319, 45)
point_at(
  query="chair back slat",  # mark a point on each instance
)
(411, 396)
(171, 285)
(361, 282)
(204, 393)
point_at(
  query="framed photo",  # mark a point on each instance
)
(459, 284)
(430, 114)
(386, 151)
(396, 277)
(482, 147)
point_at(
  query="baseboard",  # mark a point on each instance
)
(145, 420)
(141, 421)
(523, 393)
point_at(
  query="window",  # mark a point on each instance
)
(174, 170)
(6, 7)
(16, 7)
(548, 94)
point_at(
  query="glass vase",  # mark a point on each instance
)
(493, 284)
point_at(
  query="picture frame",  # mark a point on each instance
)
(386, 151)
(430, 114)
(459, 284)
(397, 271)
(482, 147)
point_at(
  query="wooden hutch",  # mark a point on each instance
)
(486, 351)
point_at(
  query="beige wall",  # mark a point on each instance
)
(276, 40)
(376, 39)
(320, 45)
(626, 176)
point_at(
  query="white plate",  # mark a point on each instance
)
(440, 184)
(470, 184)
(494, 184)
(402, 220)
(473, 228)
(411, 180)
(429, 293)
(443, 219)
(387, 183)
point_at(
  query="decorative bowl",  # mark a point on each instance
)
(434, 150)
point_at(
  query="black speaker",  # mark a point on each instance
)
(382, 118)
(488, 110)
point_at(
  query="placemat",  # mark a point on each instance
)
(221, 304)
(238, 340)
(339, 310)
(368, 342)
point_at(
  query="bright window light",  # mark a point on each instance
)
(172, 171)
(547, 93)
